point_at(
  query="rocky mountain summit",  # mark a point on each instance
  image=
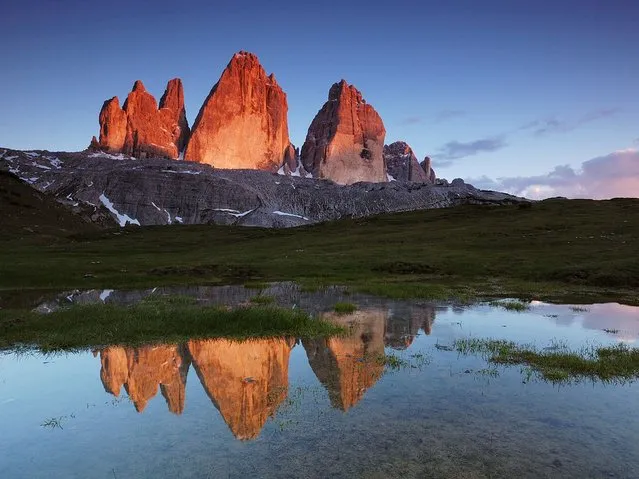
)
(402, 164)
(142, 129)
(162, 191)
(243, 123)
(345, 141)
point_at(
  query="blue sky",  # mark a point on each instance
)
(497, 88)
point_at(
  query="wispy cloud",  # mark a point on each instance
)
(439, 117)
(454, 150)
(552, 124)
(609, 176)
(411, 120)
(446, 115)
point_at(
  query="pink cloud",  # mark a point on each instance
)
(610, 176)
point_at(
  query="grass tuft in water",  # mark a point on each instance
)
(154, 320)
(557, 363)
(394, 362)
(518, 306)
(345, 308)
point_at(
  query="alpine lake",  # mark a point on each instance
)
(408, 389)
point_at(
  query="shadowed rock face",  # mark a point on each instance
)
(142, 370)
(428, 168)
(346, 139)
(174, 113)
(402, 164)
(348, 366)
(142, 130)
(246, 381)
(243, 122)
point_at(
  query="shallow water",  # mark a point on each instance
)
(322, 408)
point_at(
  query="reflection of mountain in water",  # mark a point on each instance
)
(348, 366)
(248, 380)
(142, 370)
(404, 322)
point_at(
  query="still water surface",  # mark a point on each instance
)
(285, 407)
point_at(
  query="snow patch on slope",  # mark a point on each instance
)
(123, 219)
(235, 213)
(102, 154)
(281, 213)
(105, 294)
(184, 172)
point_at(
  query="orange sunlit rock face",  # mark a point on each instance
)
(143, 370)
(243, 123)
(345, 141)
(113, 122)
(349, 366)
(140, 128)
(246, 380)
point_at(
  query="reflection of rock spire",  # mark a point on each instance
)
(142, 370)
(115, 369)
(347, 366)
(404, 324)
(245, 380)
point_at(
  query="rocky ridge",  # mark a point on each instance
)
(161, 191)
(243, 124)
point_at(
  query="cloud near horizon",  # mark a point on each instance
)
(610, 176)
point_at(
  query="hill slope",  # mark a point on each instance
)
(28, 213)
(549, 249)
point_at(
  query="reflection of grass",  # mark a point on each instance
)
(518, 306)
(557, 363)
(488, 372)
(579, 309)
(344, 308)
(53, 423)
(156, 319)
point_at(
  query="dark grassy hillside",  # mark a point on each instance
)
(554, 248)
(25, 213)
